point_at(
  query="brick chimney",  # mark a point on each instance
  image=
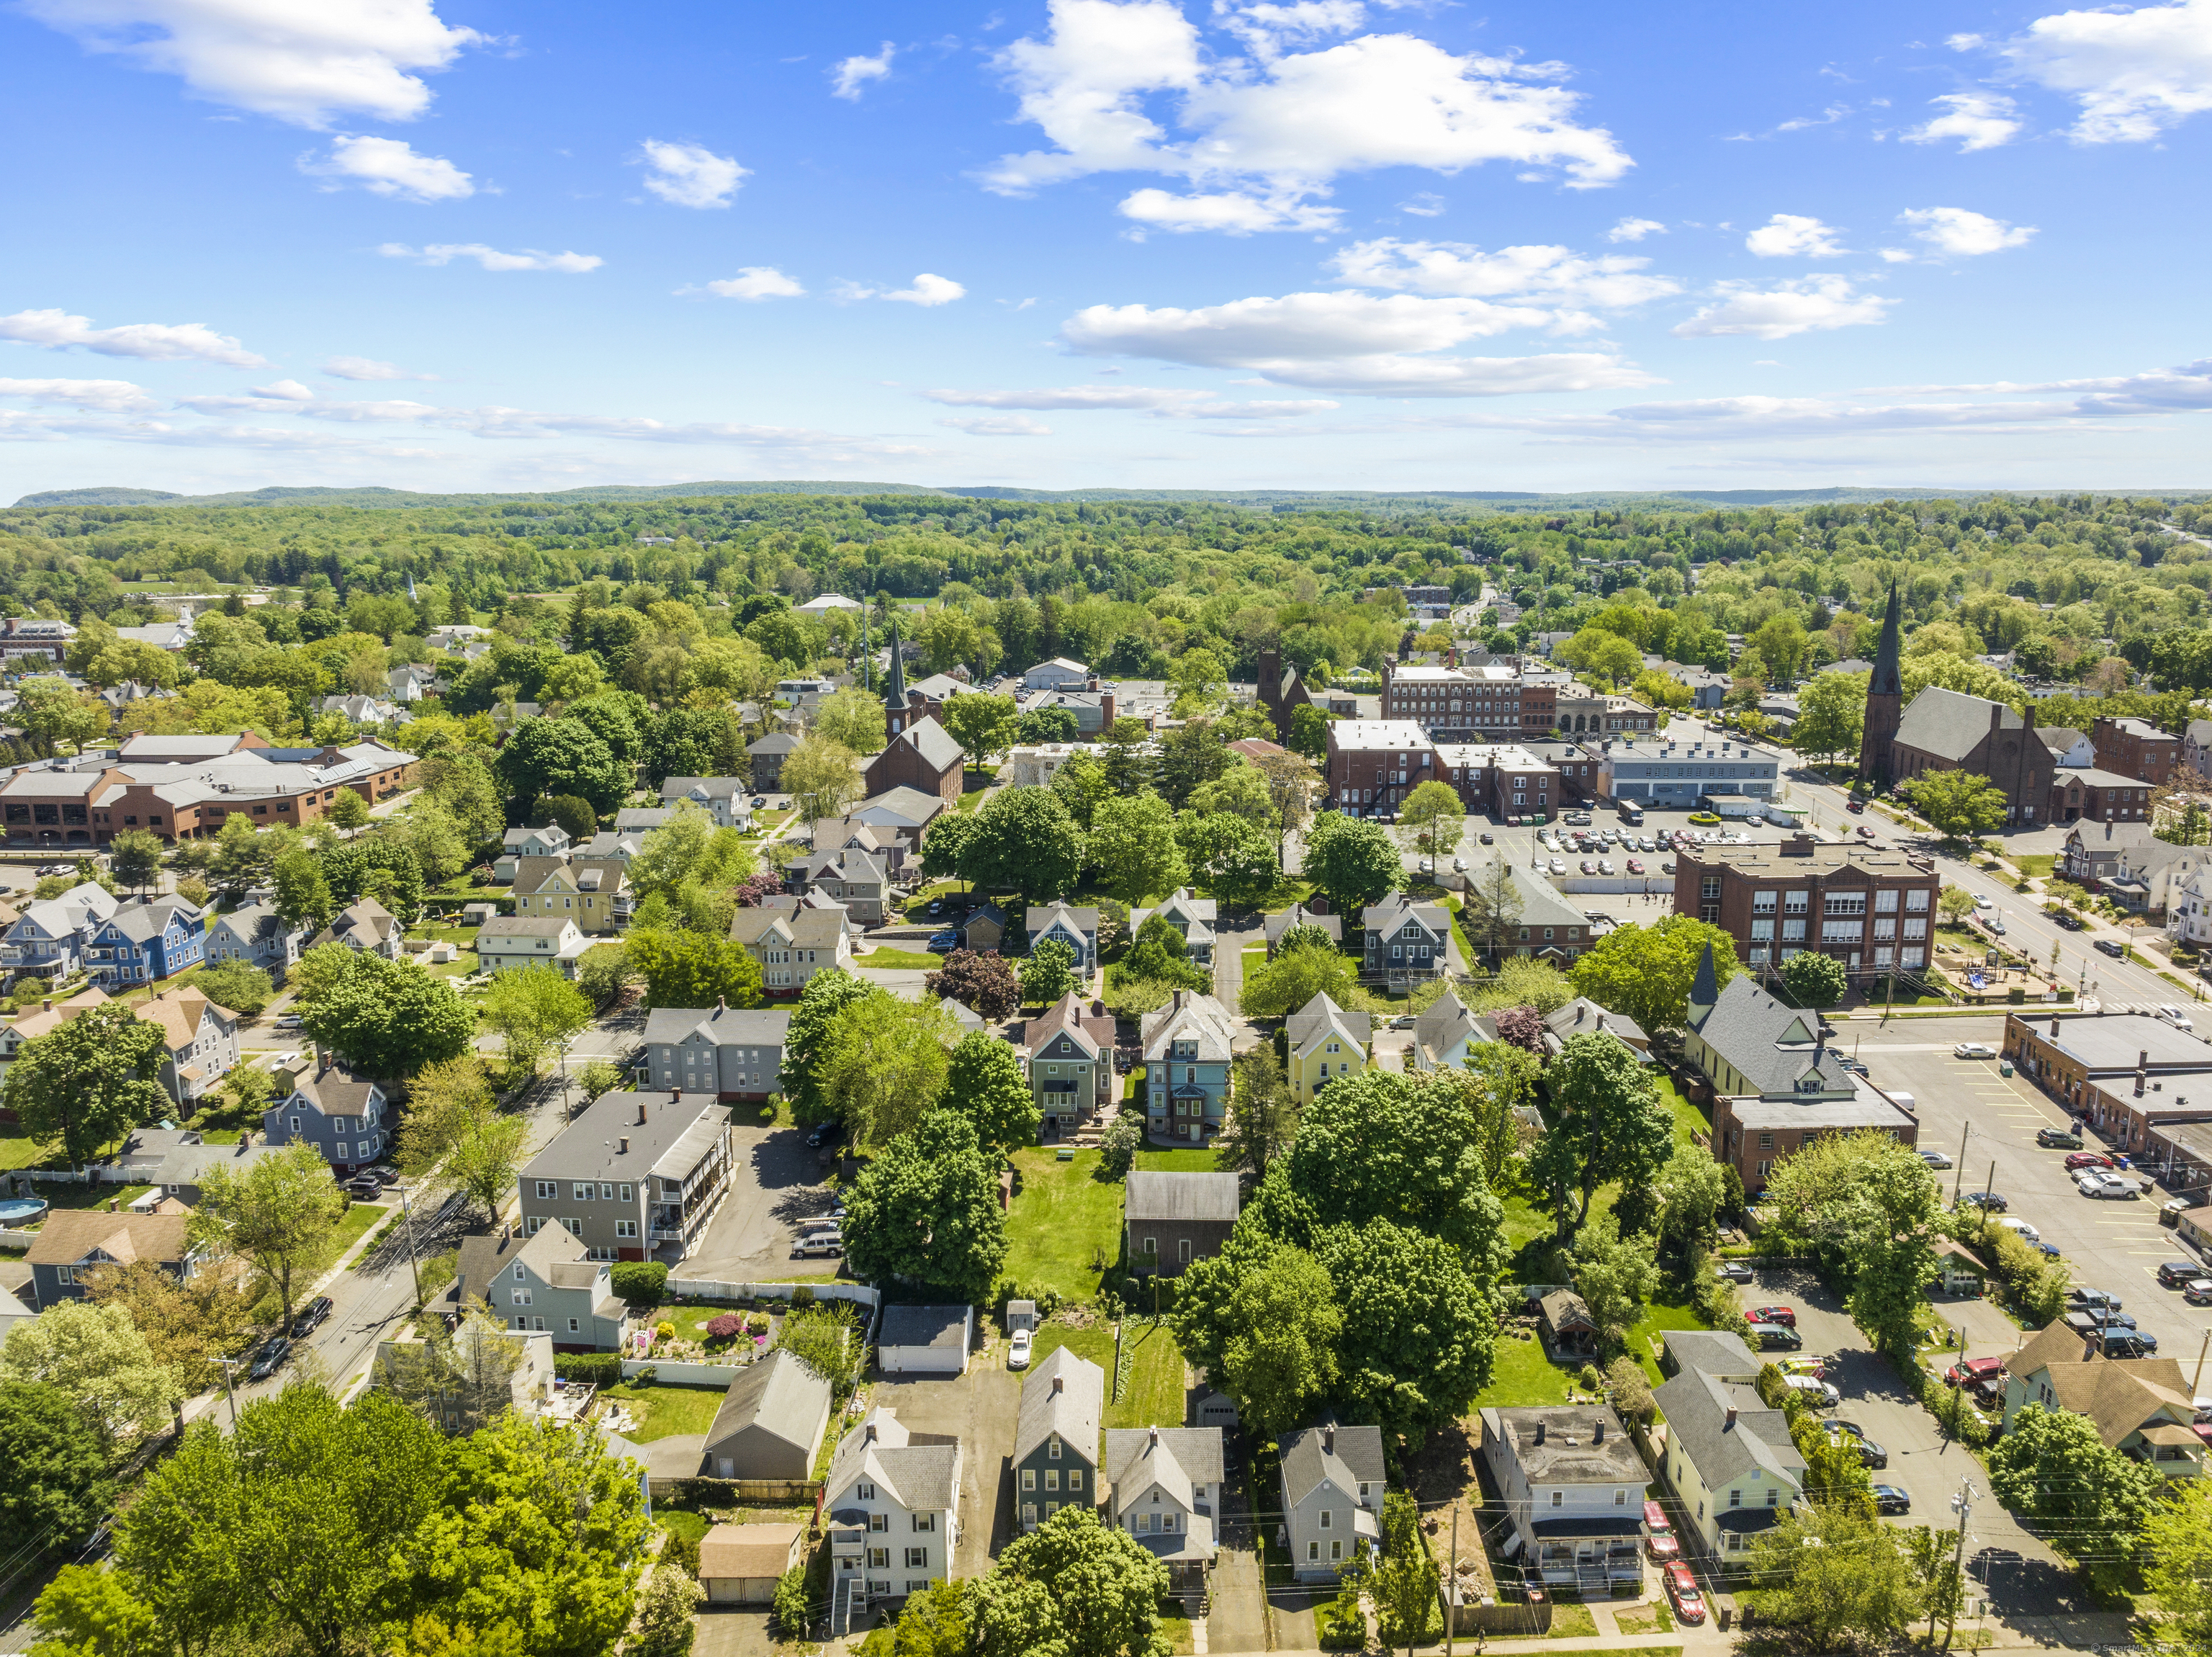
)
(640, 1114)
(1106, 713)
(1152, 1439)
(1056, 1382)
(870, 1429)
(1539, 1432)
(1730, 1421)
(1597, 1433)
(623, 1144)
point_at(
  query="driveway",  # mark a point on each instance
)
(981, 1407)
(776, 1184)
(731, 1632)
(1237, 1617)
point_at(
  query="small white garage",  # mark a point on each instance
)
(925, 1340)
(738, 1564)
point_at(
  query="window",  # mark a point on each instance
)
(583, 1192)
(625, 1227)
(925, 1521)
(626, 1196)
(878, 1523)
(865, 1491)
(1558, 1498)
(1796, 903)
(1182, 1251)
(572, 1325)
(1150, 1246)
(1029, 1479)
(1029, 1513)
(575, 1226)
(917, 1559)
(1336, 1549)
(1327, 1519)
(1313, 1550)
(1735, 1498)
(1916, 903)
(1762, 903)
(879, 1559)
(1620, 1498)
(1772, 1497)
(1075, 1478)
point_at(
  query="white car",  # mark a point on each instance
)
(1813, 1387)
(1973, 1050)
(1017, 1351)
(1459, 865)
(2174, 1016)
(1982, 900)
(2028, 1233)
(1559, 866)
(1605, 866)
(2096, 1182)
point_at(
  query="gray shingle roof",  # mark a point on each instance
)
(1949, 723)
(1446, 1022)
(1695, 1406)
(923, 1325)
(725, 1026)
(1318, 1015)
(482, 1259)
(1356, 1460)
(1163, 1195)
(1774, 1045)
(779, 1394)
(933, 743)
(1196, 1452)
(1197, 1017)
(590, 1144)
(1073, 1410)
(1718, 1351)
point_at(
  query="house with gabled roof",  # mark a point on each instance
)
(185, 1170)
(52, 936)
(858, 879)
(366, 926)
(1057, 674)
(550, 840)
(2142, 1407)
(731, 1052)
(768, 755)
(148, 940)
(1056, 1435)
(73, 1242)
(725, 799)
(892, 1503)
(1573, 1487)
(1076, 928)
(542, 1282)
(259, 937)
(1299, 915)
(43, 1020)
(1192, 916)
(792, 945)
(1405, 941)
(1071, 1063)
(1188, 1052)
(1333, 1479)
(1445, 1033)
(510, 946)
(199, 1043)
(593, 892)
(1171, 1217)
(1166, 1485)
(771, 1421)
(343, 1115)
(906, 811)
(1326, 1043)
(1730, 1461)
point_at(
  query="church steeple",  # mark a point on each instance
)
(1705, 991)
(895, 689)
(1885, 704)
(1887, 680)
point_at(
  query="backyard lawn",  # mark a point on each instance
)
(666, 1411)
(1155, 1396)
(1063, 1221)
(1688, 1119)
(913, 960)
(1192, 1160)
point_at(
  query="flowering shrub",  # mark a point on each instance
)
(725, 1327)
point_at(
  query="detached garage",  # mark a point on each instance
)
(738, 1564)
(925, 1340)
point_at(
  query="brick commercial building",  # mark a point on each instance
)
(1373, 763)
(1493, 702)
(1871, 908)
(2135, 748)
(2070, 1057)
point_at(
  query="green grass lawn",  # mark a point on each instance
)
(666, 1411)
(357, 1222)
(1254, 960)
(1688, 1119)
(2035, 865)
(64, 1194)
(1155, 1398)
(1062, 1221)
(1194, 1160)
(1574, 1623)
(691, 1527)
(1521, 1374)
(914, 959)
(18, 1152)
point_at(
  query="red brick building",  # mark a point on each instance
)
(1490, 703)
(923, 756)
(2134, 747)
(1373, 763)
(1869, 907)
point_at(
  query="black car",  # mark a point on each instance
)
(268, 1358)
(2058, 1139)
(1888, 1499)
(2112, 946)
(1992, 1201)
(305, 1319)
(2174, 1273)
(1772, 1337)
(2106, 1319)
(2132, 1344)
(365, 1185)
(821, 1135)
(1487, 841)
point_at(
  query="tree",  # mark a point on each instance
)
(1132, 846)
(1490, 909)
(1024, 841)
(461, 1378)
(1501, 1077)
(93, 1357)
(1079, 785)
(794, 1611)
(1277, 1339)
(826, 1337)
(57, 1487)
(1295, 976)
(1161, 954)
(388, 1018)
(1239, 863)
(137, 854)
(939, 1621)
(981, 724)
(88, 1609)
(1831, 714)
(561, 756)
(1309, 735)
(926, 1210)
(597, 1078)
(52, 711)
(1835, 1575)
(2177, 1550)
(1072, 1587)
(849, 717)
(1646, 972)
(1611, 1125)
(1403, 1582)
(533, 1009)
(87, 1083)
(1868, 1208)
(942, 844)
(643, 1284)
(1379, 1146)
(188, 1323)
(683, 968)
(1047, 973)
(1291, 784)
(1263, 1117)
(822, 777)
(349, 810)
(1615, 1275)
(572, 813)
(1242, 792)
(1434, 818)
(983, 1082)
(1954, 902)
(664, 1626)
(382, 869)
(1353, 860)
(1959, 805)
(1815, 980)
(1043, 726)
(1118, 1145)
(303, 894)
(235, 985)
(1187, 756)
(1418, 1330)
(1601, 655)
(280, 1215)
(603, 973)
(882, 1064)
(1693, 1190)
(806, 1040)
(984, 983)
(452, 1116)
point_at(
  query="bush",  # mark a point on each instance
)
(681, 1551)
(600, 1368)
(1117, 1150)
(727, 1327)
(792, 1609)
(1954, 1411)
(1589, 1379)
(757, 1322)
(645, 1377)
(641, 1283)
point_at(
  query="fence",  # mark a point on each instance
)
(683, 1374)
(698, 1491)
(862, 1294)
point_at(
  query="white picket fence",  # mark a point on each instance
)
(683, 1374)
(706, 1289)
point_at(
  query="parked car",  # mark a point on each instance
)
(1991, 1201)
(2174, 1273)
(2198, 1292)
(1936, 1159)
(386, 1174)
(1636, 865)
(2174, 1016)
(1814, 1389)
(759, 801)
(1973, 1050)
(1018, 1349)
(2109, 1187)
(944, 942)
(2130, 1345)
(2064, 922)
(2090, 1299)
(1682, 1590)
(1733, 1271)
(1857, 1067)
(2082, 1159)
(2112, 946)
(308, 1316)
(936, 907)
(819, 1245)
(1815, 1367)
(1857, 808)
(823, 1134)
(364, 1185)
(2053, 1139)
(1888, 1499)
(1459, 865)
(289, 1021)
(2026, 1233)
(1588, 868)
(1485, 838)
(1771, 1338)
(1870, 1453)
(1973, 1372)
(267, 1360)
(1559, 866)
(1658, 1534)
(1784, 1315)
(1996, 925)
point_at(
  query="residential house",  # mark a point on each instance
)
(1056, 1435)
(642, 819)
(506, 946)
(1190, 914)
(1405, 941)
(1548, 928)
(905, 811)
(849, 834)
(1299, 915)
(730, 1052)
(892, 1500)
(550, 841)
(345, 1116)
(594, 892)
(184, 1172)
(771, 1421)
(1167, 1483)
(741, 1564)
(199, 1043)
(792, 945)
(858, 879)
(52, 936)
(2151, 877)
(367, 927)
(768, 755)
(1583, 1016)
(1325, 1043)
(41, 1020)
(2197, 747)
(2189, 915)
(922, 757)
(2093, 851)
(971, 1022)
(1731, 1462)
(1332, 1478)
(12, 1312)
(411, 683)
(1071, 1063)
(259, 937)
(2144, 1408)
(1572, 1485)
(1187, 1058)
(373, 710)
(1171, 1219)
(73, 1242)
(540, 1283)
(634, 1174)
(1033, 765)
(454, 635)
(1444, 1034)
(725, 799)
(146, 940)
(614, 845)
(1076, 928)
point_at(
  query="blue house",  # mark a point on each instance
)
(1076, 928)
(148, 941)
(1187, 1057)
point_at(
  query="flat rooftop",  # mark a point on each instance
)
(2117, 1042)
(1822, 857)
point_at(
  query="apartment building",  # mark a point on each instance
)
(1494, 702)
(728, 1051)
(2135, 748)
(634, 1174)
(1871, 908)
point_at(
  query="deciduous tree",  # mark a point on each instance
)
(983, 1082)
(57, 1487)
(1815, 980)
(1024, 841)
(535, 1010)
(983, 983)
(981, 724)
(1433, 818)
(280, 1215)
(883, 1064)
(926, 1210)
(1295, 976)
(1868, 1207)
(1646, 972)
(1132, 846)
(1835, 1576)
(679, 967)
(851, 718)
(453, 1116)
(95, 1357)
(1047, 973)
(388, 1018)
(87, 1083)
(1352, 859)
(1610, 1124)
(1615, 1275)
(1959, 805)
(826, 996)
(1072, 1587)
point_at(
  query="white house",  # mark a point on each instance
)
(1573, 1486)
(725, 798)
(1443, 1035)
(551, 841)
(829, 601)
(1166, 1485)
(1333, 1478)
(1058, 674)
(551, 941)
(893, 1502)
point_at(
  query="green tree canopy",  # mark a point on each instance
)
(387, 1018)
(983, 1082)
(561, 756)
(827, 994)
(1869, 1208)
(1353, 859)
(1024, 841)
(926, 1210)
(1646, 972)
(280, 1215)
(1959, 805)
(1072, 1587)
(93, 1355)
(1609, 1123)
(882, 1064)
(1132, 846)
(87, 1083)
(682, 968)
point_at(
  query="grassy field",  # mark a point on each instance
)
(20, 1152)
(1192, 1160)
(666, 1411)
(1062, 1220)
(358, 1222)
(1155, 1398)
(914, 959)
(1688, 1119)
(2035, 865)
(677, 1522)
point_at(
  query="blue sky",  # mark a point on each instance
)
(465, 244)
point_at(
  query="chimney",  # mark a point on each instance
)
(1597, 1433)
(720, 1007)
(1056, 1382)
(623, 1142)
(2143, 1064)
(870, 1430)
(1580, 1008)
(1730, 1421)
(2054, 1027)
(115, 1205)
(46, 1004)
(1328, 1437)
(1153, 1439)
(640, 1114)
(1106, 713)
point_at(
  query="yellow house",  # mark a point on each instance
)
(1326, 1042)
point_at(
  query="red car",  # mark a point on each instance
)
(1784, 1315)
(2081, 1159)
(1857, 806)
(1974, 1371)
(1682, 1589)
(1659, 1535)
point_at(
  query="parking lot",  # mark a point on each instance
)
(1984, 1120)
(776, 1182)
(983, 1408)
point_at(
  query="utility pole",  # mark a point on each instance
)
(1963, 1505)
(2197, 1382)
(407, 1229)
(1960, 1184)
(227, 1363)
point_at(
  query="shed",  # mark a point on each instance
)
(1962, 1271)
(925, 1340)
(1021, 1314)
(738, 1564)
(771, 1421)
(1568, 1325)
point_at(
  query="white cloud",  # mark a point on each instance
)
(1962, 234)
(157, 342)
(302, 63)
(491, 258)
(999, 425)
(1979, 120)
(1810, 305)
(1280, 125)
(1635, 230)
(389, 166)
(2134, 73)
(1792, 235)
(752, 282)
(1172, 404)
(851, 74)
(289, 391)
(689, 175)
(1532, 275)
(95, 396)
(1423, 204)
(927, 290)
(368, 368)
(1235, 212)
(1345, 342)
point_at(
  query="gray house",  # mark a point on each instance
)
(1189, 914)
(1056, 1435)
(260, 937)
(725, 799)
(771, 1421)
(731, 1052)
(343, 1116)
(1172, 1219)
(768, 756)
(633, 1175)
(1299, 915)
(185, 1169)
(366, 926)
(1405, 941)
(1076, 928)
(540, 1284)
(856, 879)
(1331, 1493)
(73, 1242)
(551, 841)
(1167, 1485)
(1573, 1486)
